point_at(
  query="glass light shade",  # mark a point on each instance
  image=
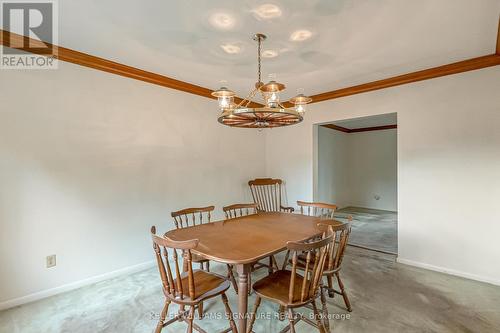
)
(224, 96)
(300, 108)
(225, 101)
(300, 102)
(272, 99)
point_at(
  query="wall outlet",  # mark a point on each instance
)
(51, 261)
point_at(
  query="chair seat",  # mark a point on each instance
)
(277, 285)
(197, 258)
(207, 284)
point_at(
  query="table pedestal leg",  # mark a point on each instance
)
(243, 271)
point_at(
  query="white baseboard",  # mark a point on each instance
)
(75, 285)
(449, 271)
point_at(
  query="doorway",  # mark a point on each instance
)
(357, 170)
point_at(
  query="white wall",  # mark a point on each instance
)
(448, 166)
(332, 167)
(354, 168)
(89, 161)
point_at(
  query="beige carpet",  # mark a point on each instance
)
(386, 297)
(372, 228)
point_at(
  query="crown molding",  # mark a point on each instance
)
(357, 130)
(87, 60)
(426, 74)
(83, 59)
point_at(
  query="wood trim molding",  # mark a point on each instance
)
(337, 128)
(357, 130)
(431, 73)
(105, 65)
(79, 58)
(374, 128)
(498, 38)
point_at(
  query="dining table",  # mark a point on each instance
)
(245, 240)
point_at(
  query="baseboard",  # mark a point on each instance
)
(74, 285)
(449, 271)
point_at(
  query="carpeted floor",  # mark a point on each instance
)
(386, 297)
(372, 228)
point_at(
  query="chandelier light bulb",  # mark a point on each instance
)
(224, 102)
(300, 108)
(273, 99)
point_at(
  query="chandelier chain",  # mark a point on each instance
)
(258, 57)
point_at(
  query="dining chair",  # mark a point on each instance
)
(239, 210)
(189, 217)
(187, 288)
(317, 209)
(291, 290)
(335, 256)
(341, 235)
(195, 216)
(266, 193)
(333, 262)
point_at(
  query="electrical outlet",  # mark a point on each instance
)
(51, 261)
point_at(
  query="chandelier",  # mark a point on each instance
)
(269, 114)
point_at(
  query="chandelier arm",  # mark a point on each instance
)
(247, 99)
(250, 96)
(281, 105)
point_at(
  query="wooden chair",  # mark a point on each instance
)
(187, 288)
(266, 193)
(194, 216)
(317, 209)
(238, 210)
(190, 217)
(333, 263)
(291, 290)
(341, 236)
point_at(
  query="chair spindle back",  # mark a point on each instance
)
(266, 193)
(192, 216)
(317, 209)
(172, 279)
(336, 252)
(316, 253)
(239, 210)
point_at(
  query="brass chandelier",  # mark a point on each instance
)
(270, 114)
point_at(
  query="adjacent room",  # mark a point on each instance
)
(249, 166)
(357, 169)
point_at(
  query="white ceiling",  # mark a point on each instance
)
(372, 121)
(352, 42)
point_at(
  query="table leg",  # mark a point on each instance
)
(243, 271)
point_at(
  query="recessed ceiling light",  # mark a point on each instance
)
(269, 53)
(267, 11)
(222, 20)
(231, 48)
(300, 35)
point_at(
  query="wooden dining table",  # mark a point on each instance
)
(245, 240)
